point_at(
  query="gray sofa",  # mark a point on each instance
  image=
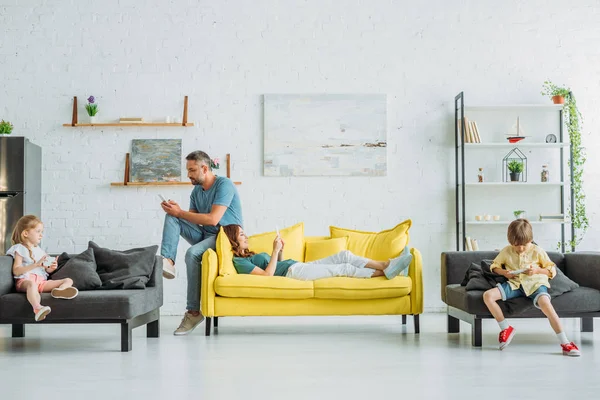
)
(129, 308)
(582, 302)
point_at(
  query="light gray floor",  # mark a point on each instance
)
(297, 358)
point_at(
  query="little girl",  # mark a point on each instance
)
(29, 269)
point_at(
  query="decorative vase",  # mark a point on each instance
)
(92, 119)
(515, 176)
(558, 99)
(519, 215)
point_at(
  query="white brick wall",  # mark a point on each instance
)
(141, 59)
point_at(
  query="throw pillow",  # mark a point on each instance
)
(316, 250)
(224, 254)
(128, 269)
(561, 284)
(379, 246)
(293, 236)
(80, 268)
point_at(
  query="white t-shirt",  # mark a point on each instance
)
(24, 252)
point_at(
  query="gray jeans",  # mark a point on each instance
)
(200, 240)
(343, 263)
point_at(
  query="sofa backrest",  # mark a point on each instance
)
(455, 265)
(584, 268)
(6, 275)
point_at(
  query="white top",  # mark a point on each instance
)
(24, 252)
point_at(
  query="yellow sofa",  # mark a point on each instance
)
(227, 293)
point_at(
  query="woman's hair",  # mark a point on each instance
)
(232, 232)
(24, 223)
(520, 232)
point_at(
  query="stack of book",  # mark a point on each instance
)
(471, 134)
(471, 244)
(552, 217)
(131, 120)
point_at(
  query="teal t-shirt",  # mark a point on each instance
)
(223, 193)
(245, 265)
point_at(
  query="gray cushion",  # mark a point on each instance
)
(561, 284)
(129, 269)
(81, 268)
(93, 304)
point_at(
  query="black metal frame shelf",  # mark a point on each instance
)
(459, 164)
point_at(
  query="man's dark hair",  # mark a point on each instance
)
(199, 157)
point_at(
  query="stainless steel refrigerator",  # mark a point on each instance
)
(20, 184)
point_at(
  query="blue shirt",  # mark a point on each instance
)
(245, 265)
(222, 193)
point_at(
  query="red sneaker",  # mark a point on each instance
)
(570, 349)
(506, 336)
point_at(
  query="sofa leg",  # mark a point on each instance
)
(404, 320)
(207, 326)
(416, 321)
(587, 324)
(215, 322)
(18, 330)
(153, 329)
(476, 332)
(125, 337)
(453, 324)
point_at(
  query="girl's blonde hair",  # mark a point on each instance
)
(24, 223)
(519, 232)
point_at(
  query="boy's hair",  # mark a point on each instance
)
(24, 223)
(520, 232)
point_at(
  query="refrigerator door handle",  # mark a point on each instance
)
(8, 195)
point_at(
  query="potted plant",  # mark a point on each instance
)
(519, 214)
(5, 127)
(558, 94)
(573, 121)
(92, 109)
(515, 167)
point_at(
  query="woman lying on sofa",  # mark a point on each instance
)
(343, 263)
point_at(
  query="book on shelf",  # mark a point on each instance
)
(552, 217)
(131, 120)
(471, 244)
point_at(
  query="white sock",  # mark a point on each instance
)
(562, 338)
(503, 324)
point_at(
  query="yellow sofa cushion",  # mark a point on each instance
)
(263, 287)
(224, 255)
(318, 249)
(379, 246)
(293, 237)
(355, 288)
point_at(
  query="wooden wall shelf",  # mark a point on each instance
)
(135, 124)
(75, 122)
(156, 183)
(126, 181)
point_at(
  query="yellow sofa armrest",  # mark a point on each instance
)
(210, 271)
(415, 271)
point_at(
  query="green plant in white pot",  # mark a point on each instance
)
(515, 168)
(92, 109)
(5, 127)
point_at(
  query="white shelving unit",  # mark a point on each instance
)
(540, 119)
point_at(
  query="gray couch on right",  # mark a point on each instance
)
(582, 302)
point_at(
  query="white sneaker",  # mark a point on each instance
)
(41, 313)
(168, 269)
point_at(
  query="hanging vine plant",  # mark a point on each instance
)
(573, 121)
